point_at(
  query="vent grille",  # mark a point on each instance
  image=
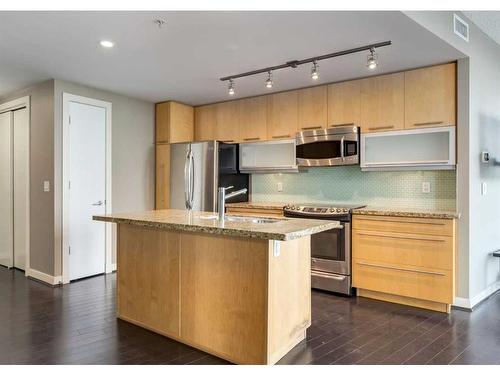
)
(461, 28)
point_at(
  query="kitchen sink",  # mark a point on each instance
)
(249, 219)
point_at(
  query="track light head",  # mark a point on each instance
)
(314, 71)
(231, 87)
(269, 80)
(372, 60)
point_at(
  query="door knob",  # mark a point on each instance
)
(99, 203)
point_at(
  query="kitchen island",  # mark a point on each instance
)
(239, 289)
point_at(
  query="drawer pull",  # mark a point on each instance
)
(345, 124)
(402, 237)
(281, 136)
(427, 123)
(402, 222)
(311, 127)
(251, 139)
(381, 127)
(401, 268)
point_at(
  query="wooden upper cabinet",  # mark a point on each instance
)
(282, 115)
(227, 127)
(382, 103)
(253, 119)
(205, 121)
(344, 104)
(312, 108)
(174, 122)
(430, 96)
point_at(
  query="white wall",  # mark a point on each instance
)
(133, 164)
(482, 213)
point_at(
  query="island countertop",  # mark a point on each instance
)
(284, 229)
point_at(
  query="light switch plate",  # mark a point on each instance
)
(483, 188)
(279, 186)
(426, 187)
(276, 249)
(46, 186)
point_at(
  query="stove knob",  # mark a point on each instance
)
(292, 208)
(338, 210)
(345, 210)
(287, 207)
(332, 209)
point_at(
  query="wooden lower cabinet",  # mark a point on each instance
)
(162, 189)
(405, 260)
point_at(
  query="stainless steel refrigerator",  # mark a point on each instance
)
(197, 169)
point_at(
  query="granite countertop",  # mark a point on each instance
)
(258, 205)
(206, 222)
(407, 212)
(368, 210)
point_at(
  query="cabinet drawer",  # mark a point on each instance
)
(403, 249)
(409, 225)
(404, 281)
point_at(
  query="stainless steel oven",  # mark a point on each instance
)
(330, 250)
(328, 147)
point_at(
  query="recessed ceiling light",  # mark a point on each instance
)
(106, 43)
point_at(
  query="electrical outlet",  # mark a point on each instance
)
(279, 186)
(426, 187)
(483, 188)
(46, 186)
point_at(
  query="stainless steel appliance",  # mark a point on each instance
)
(328, 147)
(197, 169)
(330, 250)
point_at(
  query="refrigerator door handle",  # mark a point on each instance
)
(187, 179)
(191, 179)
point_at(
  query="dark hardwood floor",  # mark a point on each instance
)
(75, 324)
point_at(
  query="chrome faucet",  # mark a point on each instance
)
(221, 201)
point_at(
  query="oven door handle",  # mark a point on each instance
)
(328, 275)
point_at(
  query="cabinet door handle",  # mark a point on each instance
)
(402, 237)
(311, 127)
(281, 136)
(251, 139)
(427, 123)
(346, 124)
(401, 268)
(381, 127)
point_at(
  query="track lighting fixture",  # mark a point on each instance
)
(314, 71)
(371, 60)
(269, 80)
(231, 87)
(371, 63)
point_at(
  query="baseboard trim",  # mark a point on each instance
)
(43, 277)
(471, 303)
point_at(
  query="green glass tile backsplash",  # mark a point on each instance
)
(350, 185)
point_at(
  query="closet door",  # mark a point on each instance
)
(21, 187)
(6, 190)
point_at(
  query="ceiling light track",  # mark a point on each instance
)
(314, 60)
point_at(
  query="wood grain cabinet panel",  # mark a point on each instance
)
(430, 96)
(253, 119)
(312, 108)
(174, 122)
(344, 104)
(382, 103)
(227, 127)
(282, 115)
(162, 190)
(205, 121)
(405, 260)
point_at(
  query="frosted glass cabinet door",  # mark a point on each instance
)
(432, 148)
(6, 190)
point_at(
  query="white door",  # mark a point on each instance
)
(87, 189)
(21, 186)
(6, 191)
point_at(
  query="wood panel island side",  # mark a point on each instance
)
(240, 290)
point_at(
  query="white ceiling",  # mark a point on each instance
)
(487, 21)
(184, 59)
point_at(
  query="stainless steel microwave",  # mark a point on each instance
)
(328, 147)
